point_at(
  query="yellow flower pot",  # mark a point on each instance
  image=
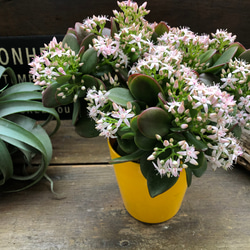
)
(136, 198)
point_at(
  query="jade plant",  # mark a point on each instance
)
(171, 98)
(25, 146)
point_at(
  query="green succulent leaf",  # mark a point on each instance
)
(89, 60)
(144, 88)
(121, 96)
(127, 145)
(114, 28)
(146, 165)
(202, 163)
(88, 40)
(154, 121)
(208, 79)
(191, 140)
(189, 175)
(223, 59)
(236, 130)
(63, 79)
(85, 127)
(143, 142)
(90, 81)
(135, 156)
(160, 29)
(245, 56)
(51, 99)
(207, 55)
(240, 48)
(71, 40)
(158, 184)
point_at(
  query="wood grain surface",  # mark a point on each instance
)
(214, 213)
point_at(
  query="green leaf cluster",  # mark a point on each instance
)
(21, 137)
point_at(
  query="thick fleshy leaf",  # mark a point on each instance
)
(158, 184)
(189, 175)
(145, 88)
(71, 40)
(226, 56)
(223, 59)
(76, 111)
(113, 26)
(240, 48)
(198, 172)
(134, 123)
(245, 56)
(127, 146)
(121, 96)
(208, 79)
(145, 164)
(80, 33)
(143, 142)
(85, 127)
(191, 140)
(51, 99)
(63, 79)
(202, 162)
(154, 121)
(89, 60)
(161, 28)
(88, 40)
(236, 130)
(207, 55)
(136, 155)
(90, 81)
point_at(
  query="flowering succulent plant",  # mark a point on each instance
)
(173, 99)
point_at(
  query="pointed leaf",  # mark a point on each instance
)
(113, 26)
(240, 48)
(136, 155)
(207, 55)
(21, 87)
(198, 172)
(88, 40)
(189, 175)
(6, 166)
(245, 56)
(10, 72)
(157, 184)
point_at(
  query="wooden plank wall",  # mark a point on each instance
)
(36, 17)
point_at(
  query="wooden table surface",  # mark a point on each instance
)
(215, 213)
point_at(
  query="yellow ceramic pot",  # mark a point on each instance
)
(136, 198)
